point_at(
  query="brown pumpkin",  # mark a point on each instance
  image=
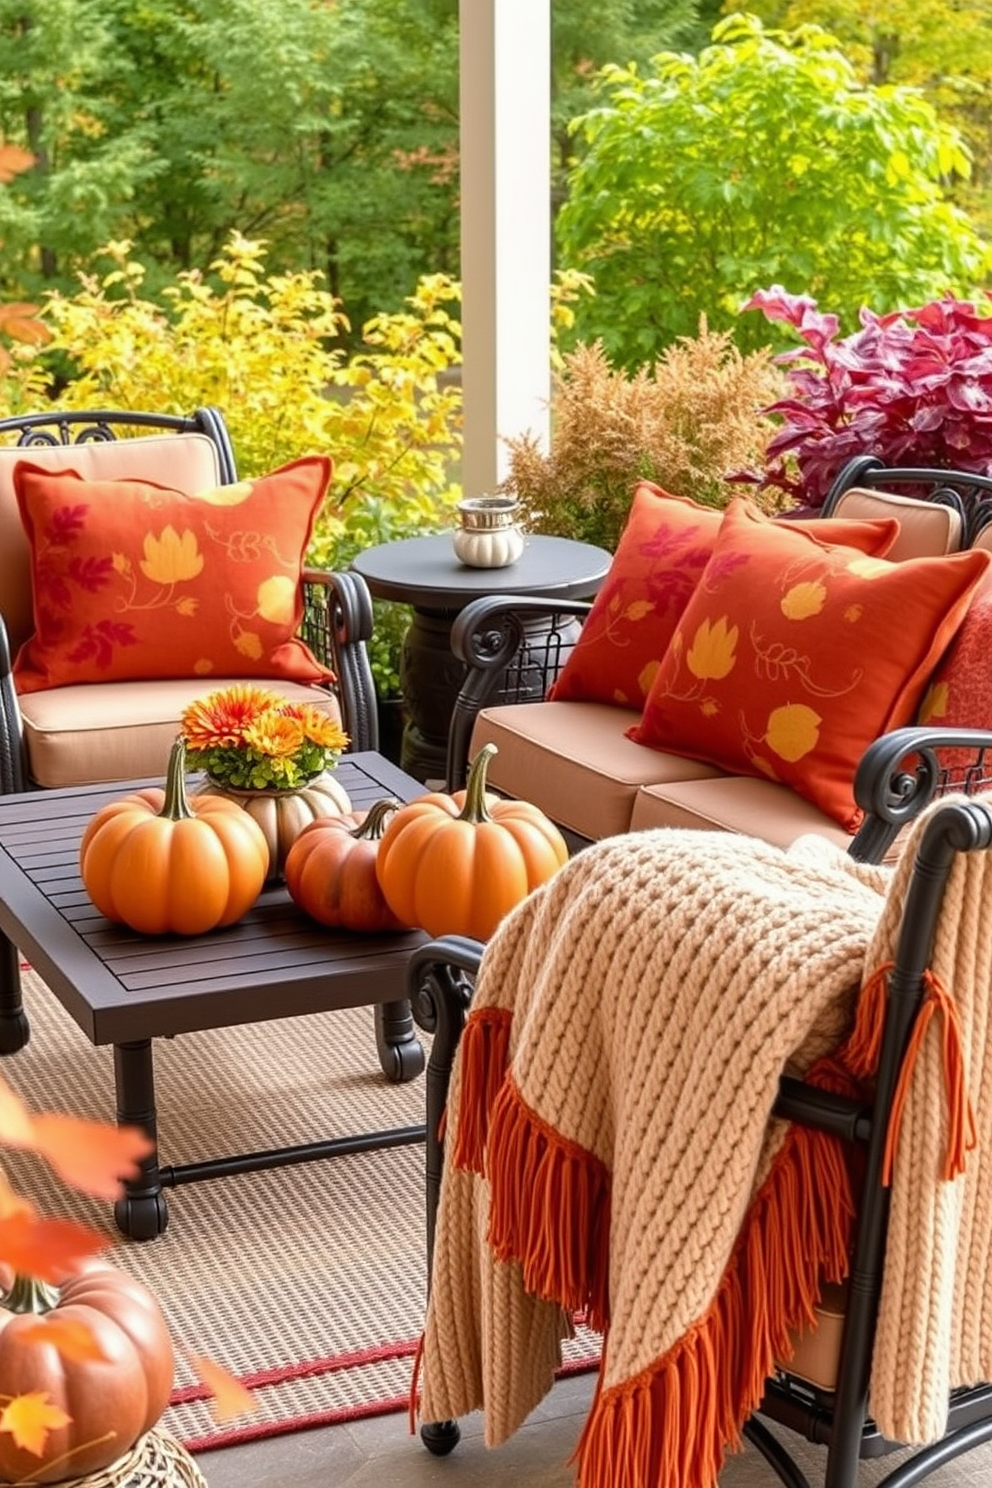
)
(112, 1400)
(156, 862)
(283, 814)
(330, 871)
(456, 864)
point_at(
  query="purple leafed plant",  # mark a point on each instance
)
(913, 387)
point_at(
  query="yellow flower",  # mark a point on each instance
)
(793, 730)
(187, 606)
(804, 600)
(711, 654)
(221, 717)
(171, 558)
(274, 734)
(317, 725)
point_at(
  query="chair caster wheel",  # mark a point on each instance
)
(440, 1437)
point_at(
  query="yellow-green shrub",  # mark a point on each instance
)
(264, 349)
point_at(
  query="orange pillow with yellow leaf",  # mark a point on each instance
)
(794, 654)
(666, 543)
(133, 581)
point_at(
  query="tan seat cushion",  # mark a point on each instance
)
(106, 731)
(186, 462)
(755, 808)
(573, 761)
(926, 530)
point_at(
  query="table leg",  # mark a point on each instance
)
(142, 1213)
(14, 1029)
(401, 1056)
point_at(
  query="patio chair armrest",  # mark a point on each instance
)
(13, 759)
(337, 624)
(513, 648)
(904, 770)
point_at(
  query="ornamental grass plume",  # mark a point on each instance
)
(250, 738)
(689, 423)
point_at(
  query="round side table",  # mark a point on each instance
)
(424, 572)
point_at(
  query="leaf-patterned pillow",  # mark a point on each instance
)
(794, 654)
(133, 580)
(663, 549)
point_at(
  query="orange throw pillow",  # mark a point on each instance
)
(794, 654)
(663, 549)
(133, 581)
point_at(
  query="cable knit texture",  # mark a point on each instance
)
(611, 1147)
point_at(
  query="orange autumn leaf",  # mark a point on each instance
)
(20, 322)
(48, 1249)
(71, 1337)
(29, 1419)
(13, 160)
(230, 1396)
(91, 1156)
(15, 1118)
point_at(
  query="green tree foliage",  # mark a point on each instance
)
(763, 160)
(329, 128)
(941, 46)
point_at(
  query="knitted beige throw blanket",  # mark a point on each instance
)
(611, 1147)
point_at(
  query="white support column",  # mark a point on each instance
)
(505, 86)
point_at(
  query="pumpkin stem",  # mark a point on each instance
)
(176, 805)
(475, 809)
(372, 828)
(28, 1294)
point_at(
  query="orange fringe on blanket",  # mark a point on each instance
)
(484, 1052)
(549, 1208)
(550, 1211)
(674, 1422)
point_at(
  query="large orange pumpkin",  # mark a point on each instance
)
(112, 1400)
(158, 863)
(456, 864)
(330, 871)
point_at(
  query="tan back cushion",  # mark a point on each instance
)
(186, 462)
(926, 530)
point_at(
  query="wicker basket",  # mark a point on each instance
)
(155, 1461)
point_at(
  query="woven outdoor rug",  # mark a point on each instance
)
(308, 1283)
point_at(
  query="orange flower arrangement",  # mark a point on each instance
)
(249, 738)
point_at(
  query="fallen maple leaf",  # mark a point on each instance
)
(20, 322)
(230, 1396)
(48, 1249)
(92, 1156)
(15, 1118)
(29, 1419)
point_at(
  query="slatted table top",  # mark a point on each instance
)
(119, 985)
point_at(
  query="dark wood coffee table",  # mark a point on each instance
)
(127, 989)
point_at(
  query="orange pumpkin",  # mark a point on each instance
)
(157, 863)
(110, 1400)
(456, 864)
(330, 871)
